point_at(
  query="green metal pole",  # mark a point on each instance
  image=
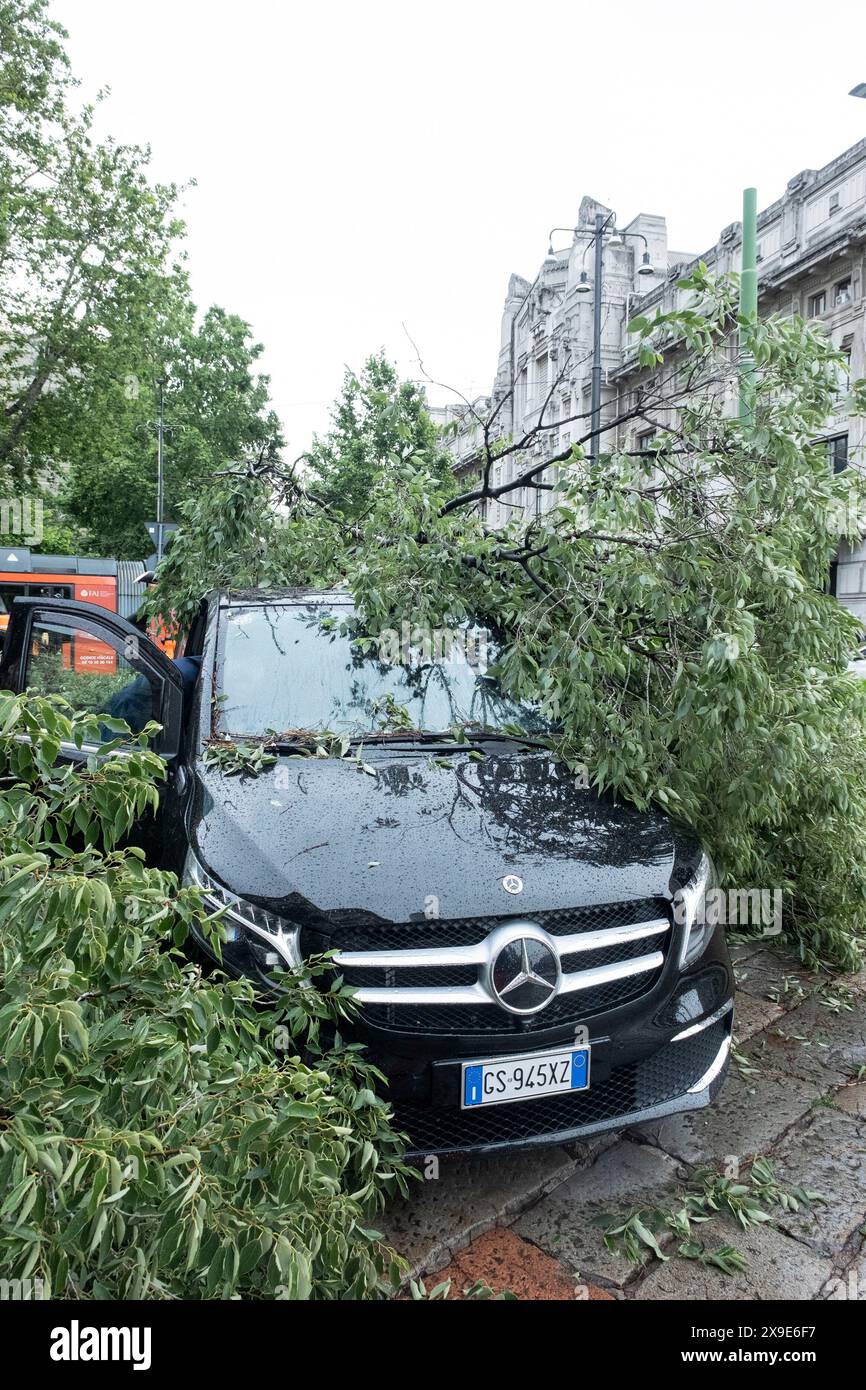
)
(748, 296)
(595, 407)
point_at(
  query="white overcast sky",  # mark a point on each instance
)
(361, 166)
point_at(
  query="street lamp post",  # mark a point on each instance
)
(645, 268)
(160, 469)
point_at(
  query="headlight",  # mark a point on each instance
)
(256, 942)
(695, 907)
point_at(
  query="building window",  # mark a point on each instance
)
(646, 442)
(843, 373)
(842, 292)
(834, 203)
(837, 452)
(817, 303)
(759, 253)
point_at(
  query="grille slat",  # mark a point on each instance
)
(426, 977)
(488, 1021)
(428, 933)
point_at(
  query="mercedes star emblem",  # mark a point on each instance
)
(512, 884)
(525, 972)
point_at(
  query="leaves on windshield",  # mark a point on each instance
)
(389, 714)
(249, 757)
(252, 756)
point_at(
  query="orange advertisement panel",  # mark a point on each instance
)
(101, 590)
(92, 655)
(83, 653)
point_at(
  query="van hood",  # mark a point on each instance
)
(322, 839)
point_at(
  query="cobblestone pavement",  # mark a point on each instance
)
(794, 1093)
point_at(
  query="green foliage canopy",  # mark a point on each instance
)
(375, 421)
(162, 1134)
(95, 308)
(670, 612)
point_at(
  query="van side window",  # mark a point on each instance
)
(91, 675)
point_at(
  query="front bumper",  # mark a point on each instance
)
(685, 1073)
(660, 1052)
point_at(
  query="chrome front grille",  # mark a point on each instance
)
(608, 955)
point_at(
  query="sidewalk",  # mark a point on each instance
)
(793, 1094)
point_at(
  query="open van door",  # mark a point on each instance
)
(139, 685)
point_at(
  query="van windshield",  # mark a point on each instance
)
(286, 668)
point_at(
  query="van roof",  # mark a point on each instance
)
(230, 597)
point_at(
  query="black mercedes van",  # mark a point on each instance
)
(531, 961)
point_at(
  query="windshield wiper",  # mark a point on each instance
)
(445, 737)
(400, 736)
(499, 736)
(305, 743)
(291, 745)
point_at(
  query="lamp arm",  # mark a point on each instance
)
(638, 234)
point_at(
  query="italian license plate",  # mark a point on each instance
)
(501, 1079)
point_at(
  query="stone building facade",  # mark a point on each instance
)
(811, 261)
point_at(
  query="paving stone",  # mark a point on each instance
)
(624, 1178)
(812, 1043)
(442, 1214)
(504, 1261)
(586, 1151)
(742, 950)
(779, 1267)
(765, 975)
(849, 1283)
(852, 1099)
(746, 1118)
(827, 1155)
(751, 1015)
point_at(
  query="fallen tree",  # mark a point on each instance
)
(669, 611)
(162, 1133)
